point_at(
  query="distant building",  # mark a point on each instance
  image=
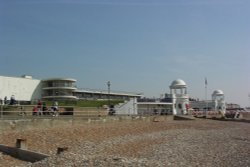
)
(231, 108)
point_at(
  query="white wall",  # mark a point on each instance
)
(127, 108)
(24, 89)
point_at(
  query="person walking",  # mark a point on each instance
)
(39, 108)
(35, 111)
(44, 108)
(5, 100)
(22, 111)
(55, 108)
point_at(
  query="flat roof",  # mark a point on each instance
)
(60, 79)
(107, 93)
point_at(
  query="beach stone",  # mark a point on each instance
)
(207, 143)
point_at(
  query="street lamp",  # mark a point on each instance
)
(108, 83)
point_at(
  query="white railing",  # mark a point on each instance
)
(26, 111)
(20, 111)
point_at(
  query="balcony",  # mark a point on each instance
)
(56, 88)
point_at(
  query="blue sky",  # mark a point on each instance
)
(139, 45)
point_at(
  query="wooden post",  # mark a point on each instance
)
(61, 149)
(21, 143)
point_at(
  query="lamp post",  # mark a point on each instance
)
(108, 83)
(206, 97)
(249, 99)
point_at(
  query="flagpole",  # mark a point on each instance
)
(206, 97)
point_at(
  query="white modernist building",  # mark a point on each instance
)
(58, 88)
(27, 89)
(24, 88)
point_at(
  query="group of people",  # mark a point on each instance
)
(42, 109)
(12, 101)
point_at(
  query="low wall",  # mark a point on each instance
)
(245, 115)
(41, 123)
(21, 154)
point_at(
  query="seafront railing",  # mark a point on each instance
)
(66, 111)
(26, 111)
(21, 111)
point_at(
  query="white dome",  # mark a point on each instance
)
(178, 84)
(218, 92)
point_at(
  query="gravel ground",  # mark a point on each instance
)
(169, 143)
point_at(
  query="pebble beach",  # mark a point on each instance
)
(200, 142)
